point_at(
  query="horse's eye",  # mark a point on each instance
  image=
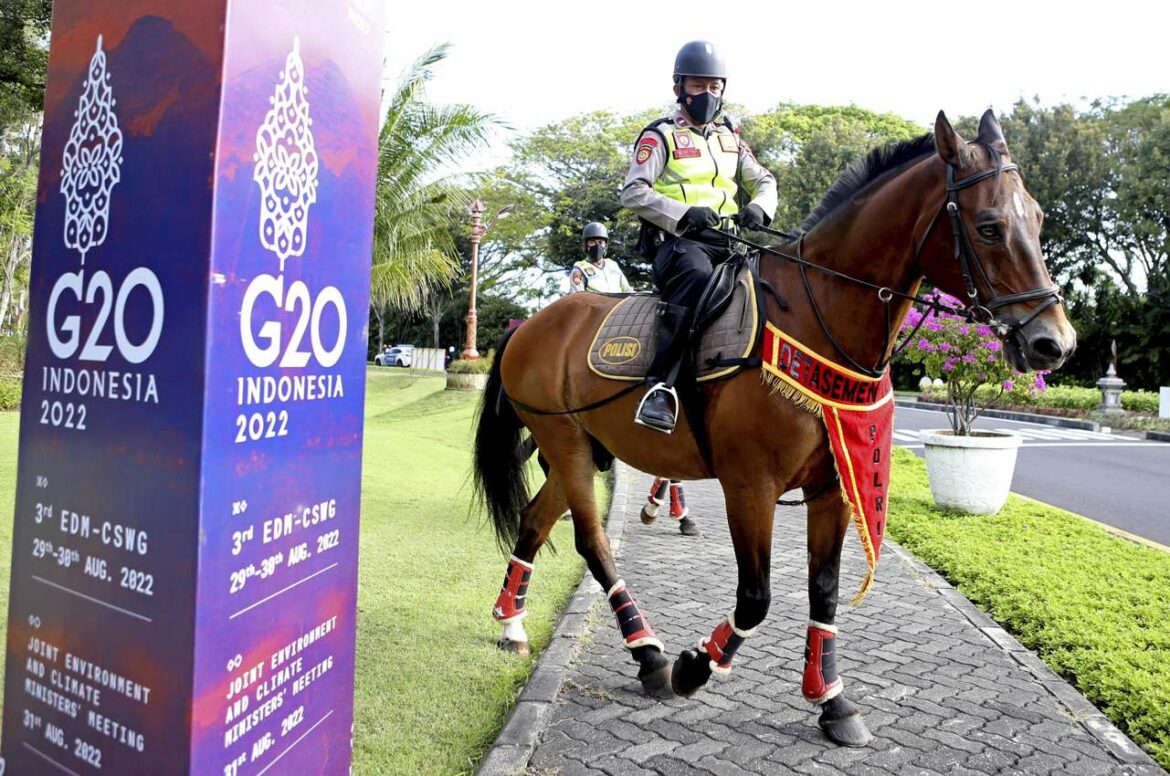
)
(989, 232)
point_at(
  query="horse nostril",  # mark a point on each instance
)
(1047, 348)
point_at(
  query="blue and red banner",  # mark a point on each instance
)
(185, 542)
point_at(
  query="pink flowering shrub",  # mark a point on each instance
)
(968, 358)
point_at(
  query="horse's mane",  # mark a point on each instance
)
(865, 170)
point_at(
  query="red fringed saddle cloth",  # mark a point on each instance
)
(858, 412)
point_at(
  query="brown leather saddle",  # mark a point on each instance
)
(728, 325)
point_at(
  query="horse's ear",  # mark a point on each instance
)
(951, 147)
(990, 132)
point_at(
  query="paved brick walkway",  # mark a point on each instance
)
(944, 690)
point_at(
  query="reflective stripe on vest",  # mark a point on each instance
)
(700, 171)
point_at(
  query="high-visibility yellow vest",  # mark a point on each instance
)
(700, 171)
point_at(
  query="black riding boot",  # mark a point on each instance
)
(659, 407)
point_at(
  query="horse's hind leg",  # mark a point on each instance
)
(536, 522)
(577, 467)
(828, 520)
(749, 510)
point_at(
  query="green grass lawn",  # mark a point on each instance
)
(432, 690)
(1095, 607)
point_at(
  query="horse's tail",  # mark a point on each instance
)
(500, 481)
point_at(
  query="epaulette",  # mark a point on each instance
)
(653, 126)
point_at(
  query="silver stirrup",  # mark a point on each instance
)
(673, 395)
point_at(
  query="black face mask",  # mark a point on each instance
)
(596, 252)
(702, 108)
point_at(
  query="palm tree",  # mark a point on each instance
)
(418, 148)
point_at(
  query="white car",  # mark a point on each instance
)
(399, 355)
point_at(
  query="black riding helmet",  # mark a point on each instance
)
(594, 229)
(699, 58)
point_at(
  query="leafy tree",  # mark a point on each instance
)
(418, 146)
(572, 171)
(24, 55)
(1102, 178)
(808, 146)
(19, 155)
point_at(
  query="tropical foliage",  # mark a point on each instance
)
(420, 149)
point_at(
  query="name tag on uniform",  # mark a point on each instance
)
(729, 143)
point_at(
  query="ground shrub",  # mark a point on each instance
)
(1095, 607)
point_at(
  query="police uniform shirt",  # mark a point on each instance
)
(677, 166)
(607, 278)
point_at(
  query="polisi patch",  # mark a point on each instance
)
(619, 350)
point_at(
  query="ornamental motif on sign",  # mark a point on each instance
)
(91, 164)
(286, 163)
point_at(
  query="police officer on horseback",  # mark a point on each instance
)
(685, 179)
(595, 272)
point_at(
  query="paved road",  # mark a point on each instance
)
(1116, 480)
(944, 690)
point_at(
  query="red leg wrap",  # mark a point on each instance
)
(510, 605)
(634, 627)
(821, 681)
(658, 491)
(722, 645)
(678, 502)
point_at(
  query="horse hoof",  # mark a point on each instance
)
(649, 517)
(688, 527)
(850, 731)
(841, 720)
(516, 647)
(691, 671)
(657, 682)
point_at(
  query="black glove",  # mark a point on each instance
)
(697, 219)
(751, 217)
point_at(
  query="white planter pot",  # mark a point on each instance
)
(970, 473)
(465, 382)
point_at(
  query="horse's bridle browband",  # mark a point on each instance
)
(965, 255)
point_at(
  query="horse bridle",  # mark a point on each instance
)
(965, 255)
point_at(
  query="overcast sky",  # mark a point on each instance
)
(534, 62)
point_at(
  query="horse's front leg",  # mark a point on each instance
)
(828, 521)
(750, 520)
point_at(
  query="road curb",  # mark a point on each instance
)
(1080, 709)
(1048, 420)
(511, 751)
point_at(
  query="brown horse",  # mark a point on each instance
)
(940, 208)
